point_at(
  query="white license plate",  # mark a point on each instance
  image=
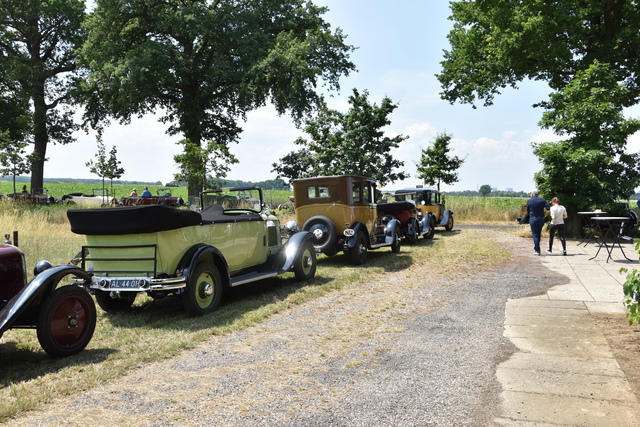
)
(126, 284)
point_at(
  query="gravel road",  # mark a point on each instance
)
(408, 349)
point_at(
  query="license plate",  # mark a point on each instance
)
(126, 284)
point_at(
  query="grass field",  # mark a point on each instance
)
(123, 341)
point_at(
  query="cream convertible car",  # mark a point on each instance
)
(160, 250)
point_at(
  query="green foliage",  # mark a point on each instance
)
(496, 44)
(591, 167)
(350, 143)
(631, 290)
(435, 164)
(204, 65)
(106, 167)
(484, 190)
(198, 165)
(38, 40)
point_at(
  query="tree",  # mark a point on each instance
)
(202, 167)
(484, 190)
(571, 45)
(38, 40)
(352, 143)
(106, 167)
(495, 44)
(204, 65)
(436, 165)
(590, 169)
(14, 159)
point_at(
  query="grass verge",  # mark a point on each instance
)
(153, 332)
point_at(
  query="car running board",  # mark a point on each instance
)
(251, 277)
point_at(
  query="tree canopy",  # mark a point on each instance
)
(38, 42)
(351, 143)
(204, 65)
(497, 44)
(588, 53)
(436, 165)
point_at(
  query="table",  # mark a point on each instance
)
(590, 225)
(615, 226)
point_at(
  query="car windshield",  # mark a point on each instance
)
(234, 199)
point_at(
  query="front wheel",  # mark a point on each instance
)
(66, 321)
(204, 290)
(432, 229)
(413, 236)
(358, 253)
(395, 246)
(449, 225)
(304, 266)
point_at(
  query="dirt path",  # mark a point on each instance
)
(405, 349)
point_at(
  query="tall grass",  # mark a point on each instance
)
(487, 210)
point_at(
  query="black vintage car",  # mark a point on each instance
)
(64, 316)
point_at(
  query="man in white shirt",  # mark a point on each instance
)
(558, 214)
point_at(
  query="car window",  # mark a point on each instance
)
(318, 191)
(368, 193)
(355, 191)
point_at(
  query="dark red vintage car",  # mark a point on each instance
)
(413, 223)
(164, 198)
(64, 316)
(39, 196)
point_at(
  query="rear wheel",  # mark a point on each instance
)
(395, 246)
(204, 290)
(358, 253)
(449, 225)
(66, 321)
(304, 266)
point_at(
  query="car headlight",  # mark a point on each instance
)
(291, 227)
(41, 266)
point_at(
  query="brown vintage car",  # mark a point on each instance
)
(342, 214)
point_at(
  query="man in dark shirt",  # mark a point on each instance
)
(536, 208)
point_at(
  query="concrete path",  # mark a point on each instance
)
(564, 372)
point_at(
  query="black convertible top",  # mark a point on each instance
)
(130, 220)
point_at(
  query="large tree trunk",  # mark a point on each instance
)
(40, 137)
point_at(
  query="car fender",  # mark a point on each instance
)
(445, 218)
(351, 241)
(390, 230)
(193, 256)
(425, 223)
(286, 255)
(36, 291)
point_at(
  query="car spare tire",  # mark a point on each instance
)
(327, 242)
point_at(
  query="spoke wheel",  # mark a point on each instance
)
(304, 266)
(204, 291)
(66, 321)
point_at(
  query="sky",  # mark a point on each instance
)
(399, 50)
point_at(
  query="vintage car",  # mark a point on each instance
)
(162, 250)
(164, 198)
(64, 316)
(99, 198)
(342, 214)
(38, 196)
(413, 223)
(429, 200)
